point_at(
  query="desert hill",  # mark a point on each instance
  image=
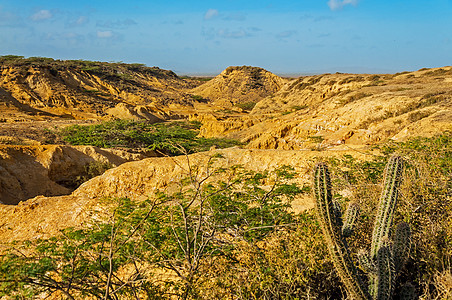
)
(43, 88)
(335, 109)
(330, 111)
(240, 85)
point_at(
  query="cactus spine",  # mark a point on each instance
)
(386, 256)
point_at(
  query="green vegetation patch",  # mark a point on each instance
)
(231, 233)
(225, 234)
(172, 138)
(247, 106)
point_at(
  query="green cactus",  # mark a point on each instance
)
(386, 257)
(331, 223)
(384, 281)
(388, 199)
(401, 247)
(351, 215)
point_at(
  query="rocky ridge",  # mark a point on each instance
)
(51, 170)
(39, 88)
(334, 110)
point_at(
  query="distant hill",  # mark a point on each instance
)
(78, 89)
(341, 110)
(240, 85)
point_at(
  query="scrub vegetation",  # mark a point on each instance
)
(231, 233)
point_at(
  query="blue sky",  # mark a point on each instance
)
(205, 37)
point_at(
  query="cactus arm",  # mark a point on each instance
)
(351, 215)
(338, 213)
(331, 225)
(385, 214)
(385, 272)
(366, 263)
(401, 247)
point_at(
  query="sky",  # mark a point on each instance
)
(286, 37)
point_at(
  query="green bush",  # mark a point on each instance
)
(171, 138)
(248, 106)
(173, 245)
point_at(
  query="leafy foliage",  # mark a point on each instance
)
(164, 246)
(169, 138)
(247, 106)
(249, 244)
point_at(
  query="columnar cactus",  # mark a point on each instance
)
(331, 222)
(386, 257)
(388, 199)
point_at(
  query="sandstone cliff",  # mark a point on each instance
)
(40, 87)
(29, 171)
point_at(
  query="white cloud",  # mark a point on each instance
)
(339, 4)
(105, 34)
(237, 34)
(116, 24)
(210, 14)
(77, 21)
(81, 20)
(42, 15)
(286, 34)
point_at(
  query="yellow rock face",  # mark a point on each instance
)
(138, 180)
(68, 91)
(29, 171)
(240, 85)
(333, 110)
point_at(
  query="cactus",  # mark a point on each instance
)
(401, 247)
(386, 257)
(388, 199)
(384, 281)
(331, 223)
(351, 215)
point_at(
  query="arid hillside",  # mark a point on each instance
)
(137, 180)
(40, 96)
(242, 86)
(84, 143)
(43, 88)
(335, 109)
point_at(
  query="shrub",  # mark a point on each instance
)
(171, 245)
(248, 106)
(167, 138)
(199, 98)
